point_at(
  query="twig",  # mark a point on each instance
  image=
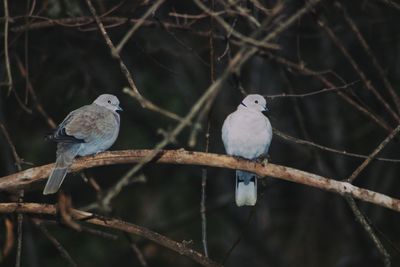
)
(137, 25)
(38, 105)
(238, 35)
(354, 175)
(64, 253)
(364, 223)
(134, 92)
(20, 218)
(302, 69)
(391, 3)
(240, 236)
(6, 55)
(325, 90)
(367, 83)
(374, 60)
(341, 152)
(27, 178)
(136, 250)
(207, 140)
(20, 195)
(81, 21)
(18, 160)
(41, 209)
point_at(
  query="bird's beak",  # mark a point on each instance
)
(265, 109)
(119, 108)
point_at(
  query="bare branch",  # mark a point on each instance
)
(6, 55)
(64, 253)
(354, 175)
(364, 223)
(324, 90)
(302, 69)
(137, 25)
(27, 178)
(35, 208)
(329, 149)
(374, 60)
(134, 92)
(367, 83)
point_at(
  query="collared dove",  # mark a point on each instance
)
(87, 130)
(247, 133)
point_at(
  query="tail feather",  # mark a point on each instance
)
(55, 180)
(246, 188)
(65, 157)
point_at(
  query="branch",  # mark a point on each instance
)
(134, 91)
(378, 149)
(25, 179)
(6, 55)
(35, 208)
(137, 25)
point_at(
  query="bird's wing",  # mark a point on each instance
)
(90, 123)
(60, 134)
(84, 125)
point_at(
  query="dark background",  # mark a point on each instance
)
(292, 225)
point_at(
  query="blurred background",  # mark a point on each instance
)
(59, 61)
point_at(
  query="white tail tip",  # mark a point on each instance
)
(246, 195)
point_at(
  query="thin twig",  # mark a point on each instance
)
(302, 69)
(207, 141)
(82, 21)
(240, 235)
(364, 223)
(38, 105)
(137, 25)
(329, 149)
(63, 252)
(17, 159)
(6, 55)
(325, 90)
(367, 83)
(20, 218)
(238, 35)
(370, 54)
(136, 251)
(354, 175)
(134, 92)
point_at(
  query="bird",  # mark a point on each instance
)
(87, 130)
(247, 133)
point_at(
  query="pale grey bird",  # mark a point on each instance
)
(247, 133)
(87, 130)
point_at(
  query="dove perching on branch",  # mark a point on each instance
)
(247, 133)
(87, 130)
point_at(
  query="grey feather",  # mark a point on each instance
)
(65, 157)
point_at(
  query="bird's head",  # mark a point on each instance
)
(255, 102)
(108, 101)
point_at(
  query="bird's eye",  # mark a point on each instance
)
(256, 101)
(109, 101)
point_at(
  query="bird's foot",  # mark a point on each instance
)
(263, 159)
(239, 157)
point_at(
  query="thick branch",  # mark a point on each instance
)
(25, 179)
(35, 208)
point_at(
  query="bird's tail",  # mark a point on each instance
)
(246, 188)
(65, 157)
